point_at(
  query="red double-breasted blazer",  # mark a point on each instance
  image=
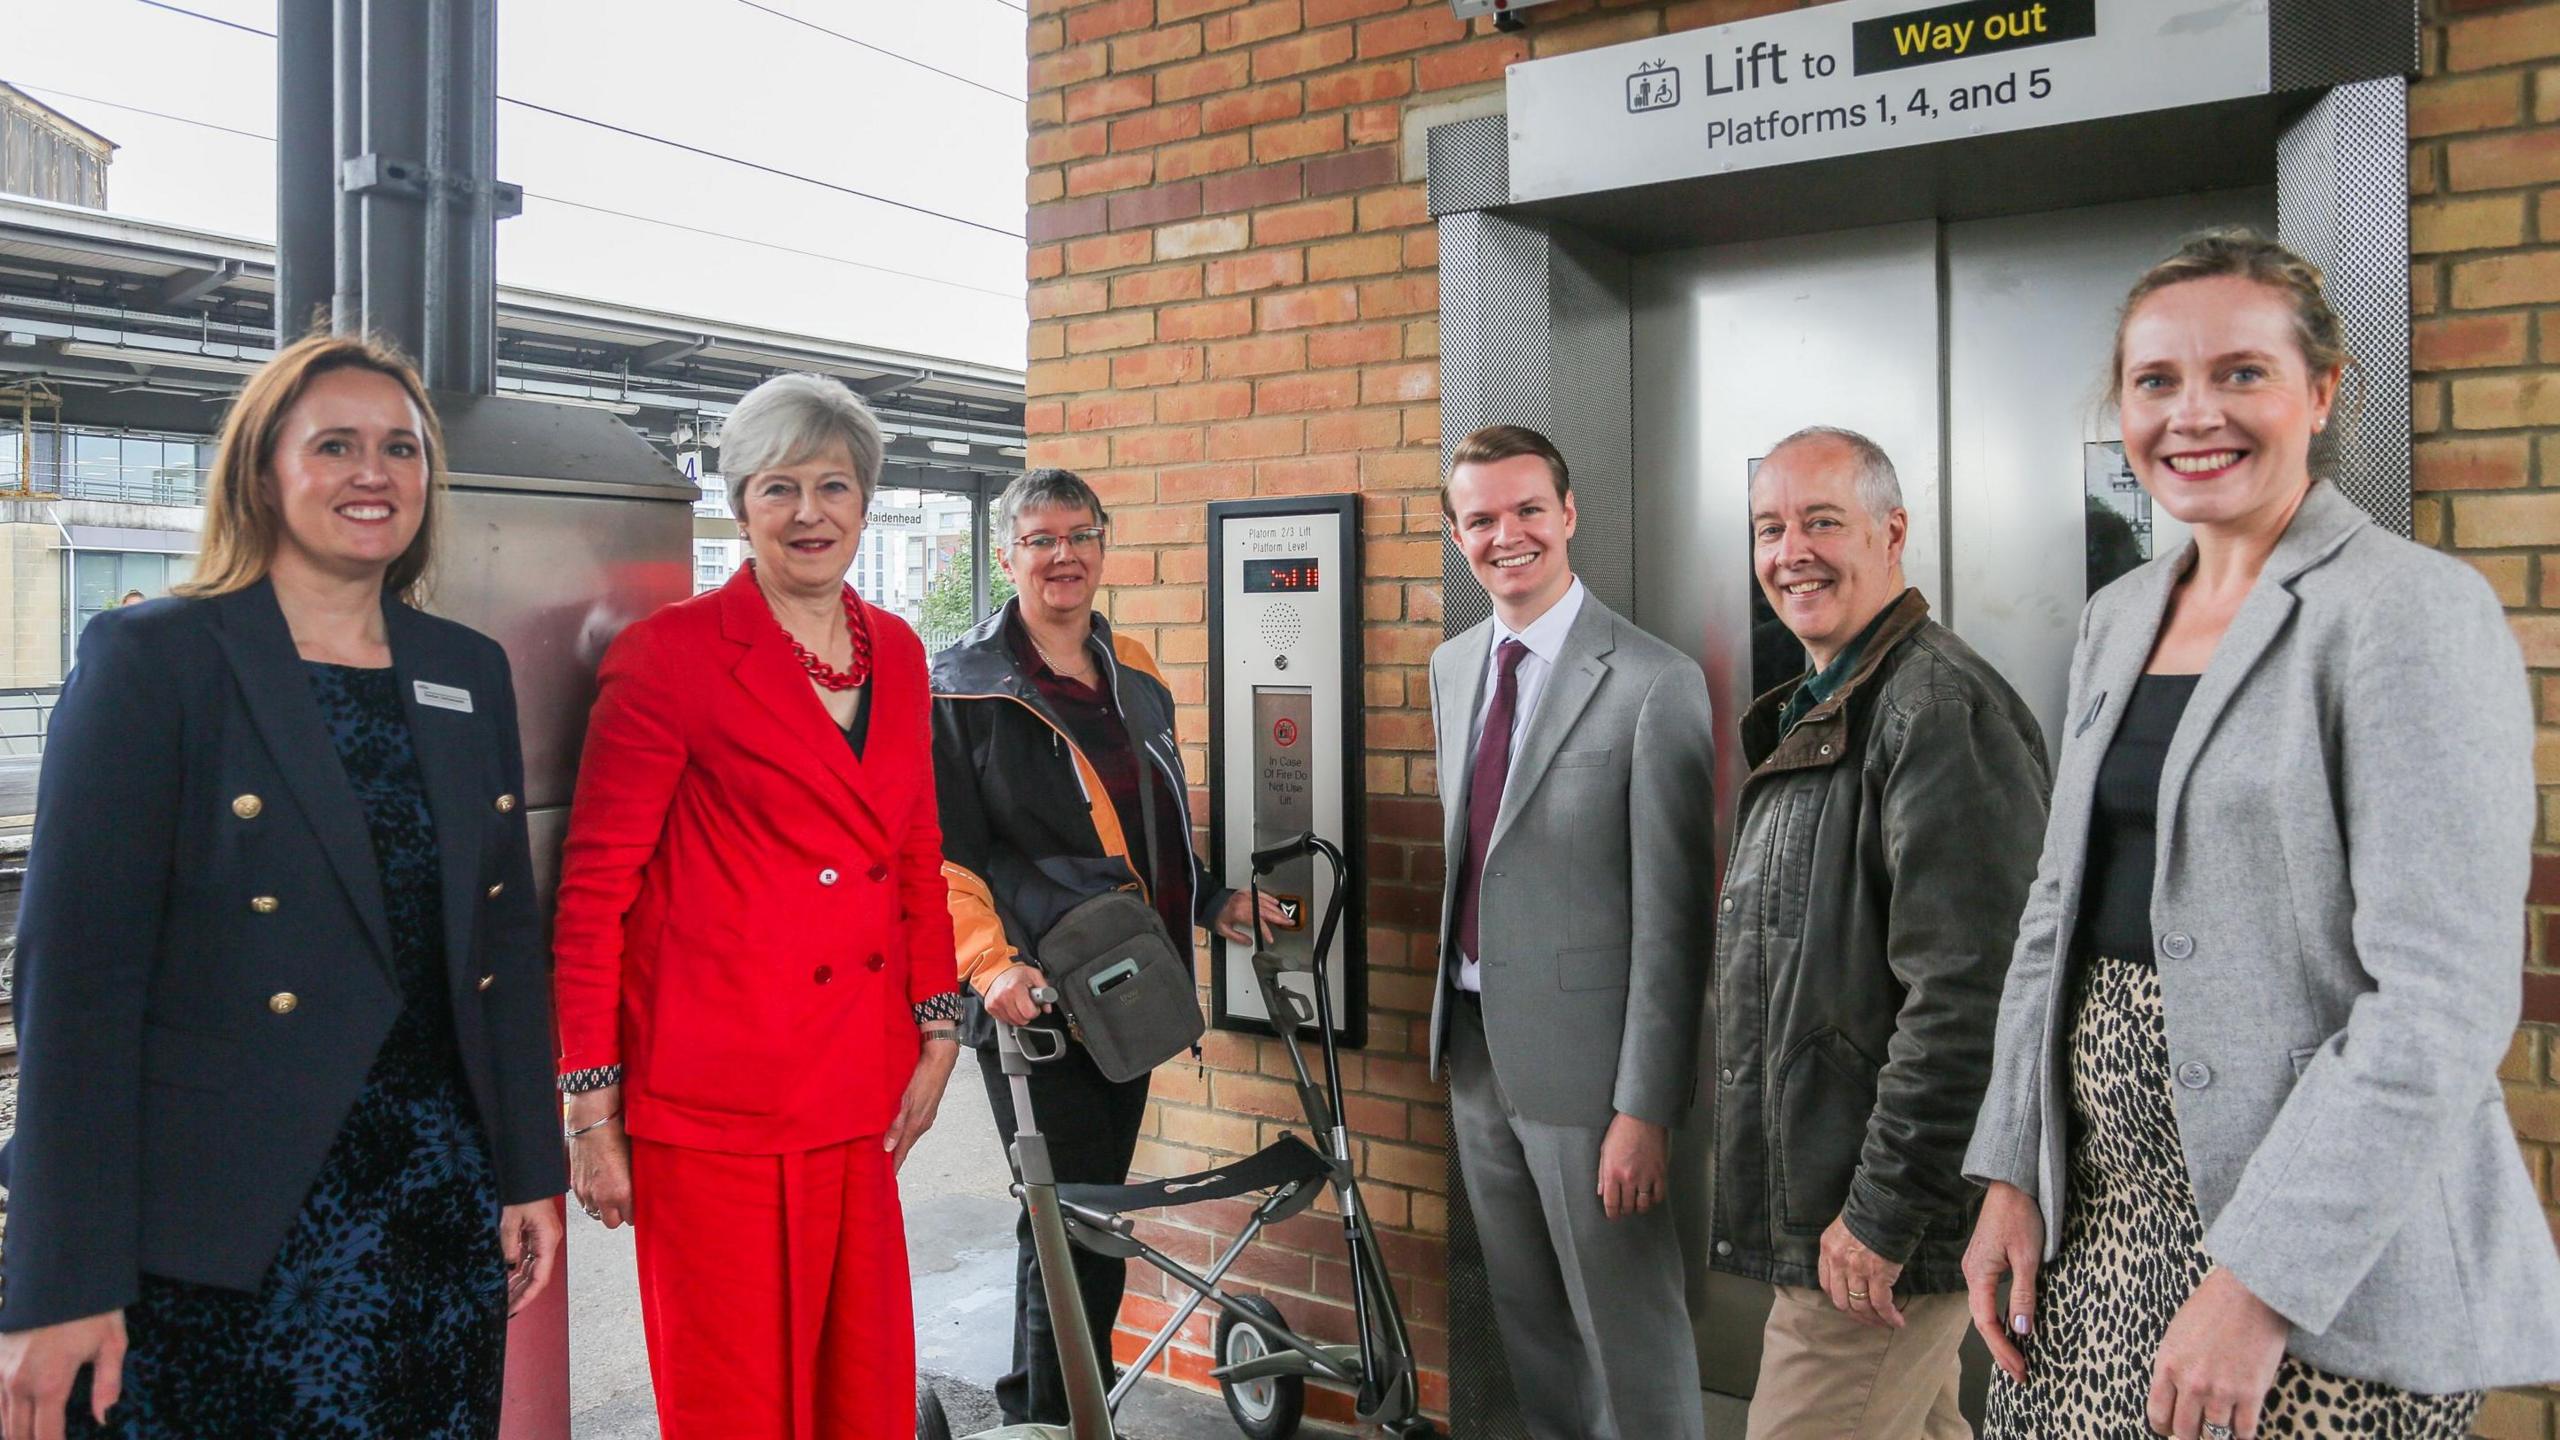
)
(747, 911)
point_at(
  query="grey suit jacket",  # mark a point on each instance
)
(1597, 885)
(2346, 812)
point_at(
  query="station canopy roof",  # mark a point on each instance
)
(148, 325)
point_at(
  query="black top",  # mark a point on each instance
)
(2115, 905)
(859, 732)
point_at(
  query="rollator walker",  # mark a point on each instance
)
(1262, 1366)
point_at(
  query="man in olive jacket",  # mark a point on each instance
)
(1883, 845)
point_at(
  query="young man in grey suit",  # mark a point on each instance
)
(1882, 848)
(1576, 767)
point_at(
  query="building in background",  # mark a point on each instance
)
(47, 155)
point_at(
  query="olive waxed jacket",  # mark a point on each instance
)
(1882, 851)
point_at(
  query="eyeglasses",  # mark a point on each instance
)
(1041, 543)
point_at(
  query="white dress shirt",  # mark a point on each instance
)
(1544, 640)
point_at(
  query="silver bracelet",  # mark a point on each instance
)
(569, 1134)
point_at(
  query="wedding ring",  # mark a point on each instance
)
(592, 1213)
(1861, 1295)
(2216, 1430)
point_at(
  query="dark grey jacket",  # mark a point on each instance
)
(1881, 853)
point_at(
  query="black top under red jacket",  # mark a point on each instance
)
(1032, 823)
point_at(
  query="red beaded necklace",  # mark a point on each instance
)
(855, 671)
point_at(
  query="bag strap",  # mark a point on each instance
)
(1146, 777)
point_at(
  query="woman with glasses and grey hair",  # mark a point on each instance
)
(758, 1009)
(1042, 721)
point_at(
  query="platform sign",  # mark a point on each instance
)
(1284, 721)
(1865, 75)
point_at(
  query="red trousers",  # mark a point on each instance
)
(774, 1292)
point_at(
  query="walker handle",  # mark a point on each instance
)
(1266, 861)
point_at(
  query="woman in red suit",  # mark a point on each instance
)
(757, 994)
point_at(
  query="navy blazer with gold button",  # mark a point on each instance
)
(204, 955)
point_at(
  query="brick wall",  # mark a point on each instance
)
(2484, 222)
(1234, 293)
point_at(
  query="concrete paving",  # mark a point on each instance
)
(960, 1262)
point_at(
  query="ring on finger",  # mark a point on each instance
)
(2216, 1430)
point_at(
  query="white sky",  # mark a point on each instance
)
(712, 73)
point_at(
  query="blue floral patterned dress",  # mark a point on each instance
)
(385, 1313)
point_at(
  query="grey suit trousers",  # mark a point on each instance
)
(1594, 1318)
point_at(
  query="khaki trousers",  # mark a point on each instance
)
(1824, 1376)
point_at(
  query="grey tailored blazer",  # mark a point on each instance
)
(2346, 812)
(1597, 885)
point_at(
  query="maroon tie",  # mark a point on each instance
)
(1484, 789)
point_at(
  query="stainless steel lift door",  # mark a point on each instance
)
(1976, 354)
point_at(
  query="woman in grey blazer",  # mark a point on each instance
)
(2249, 1170)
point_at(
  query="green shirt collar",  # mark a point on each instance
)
(1824, 683)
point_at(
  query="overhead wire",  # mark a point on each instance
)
(880, 50)
(559, 200)
(706, 153)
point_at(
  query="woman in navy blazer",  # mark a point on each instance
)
(286, 1139)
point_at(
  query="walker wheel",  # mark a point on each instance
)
(931, 1423)
(1268, 1408)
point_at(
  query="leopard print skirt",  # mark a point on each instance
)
(2133, 1250)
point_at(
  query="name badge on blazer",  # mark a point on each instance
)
(444, 697)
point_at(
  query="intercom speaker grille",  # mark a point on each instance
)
(1283, 627)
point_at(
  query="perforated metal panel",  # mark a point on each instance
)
(1470, 164)
(2342, 203)
(2314, 44)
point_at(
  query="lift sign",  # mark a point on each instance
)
(1952, 32)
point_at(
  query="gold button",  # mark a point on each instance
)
(282, 1002)
(263, 904)
(498, 889)
(506, 804)
(488, 980)
(247, 807)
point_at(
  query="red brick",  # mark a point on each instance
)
(1261, 355)
(1254, 189)
(1262, 270)
(1343, 259)
(1254, 22)
(1045, 417)
(1294, 139)
(2530, 32)
(1156, 47)
(1115, 96)
(1204, 482)
(1399, 384)
(1070, 142)
(1376, 124)
(1156, 287)
(1068, 297)
(1070, 452)
(1110, 412)
(2473, 464)
(1591, 36)
(1325, 305)
(2499, 162)
(1208, 400)
(1203, 237)
(1111, 332)
(1168, 11)
(1214, 321)
(1358, 170)
(2462, 342)
(2443, 106)
(1046, 36)
(1069, 67)
(1204, 157)
(1416, 30)
(1329, 12)
(1043, 186)
(2532, 278)
(1174, 199)
(1359, 345)
(1109, 252)
(1157, 447)
(1258, 439)
(1474, 63)
(1296, 224)
(1066, 377)
(1161, 126)
(1321, 390)
(1166, 365)
(1212, 76)
(1247, 108)
(1110, 17)
(1067, 219)
(1357, 430)
(1364, 85)
(1044, 262)
(1313, 475)
(1296, 56)
(1395, 209)
(1422, 250)
(1411, 296)
(1695, 13)
(1118, 172)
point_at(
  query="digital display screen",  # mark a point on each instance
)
(1263, 577)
